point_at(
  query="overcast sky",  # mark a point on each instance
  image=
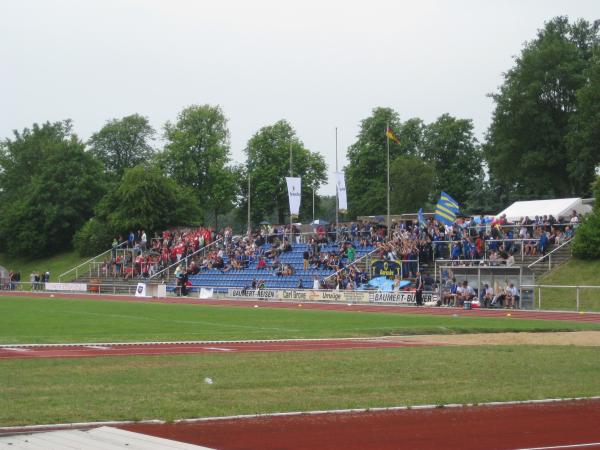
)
(318, 64)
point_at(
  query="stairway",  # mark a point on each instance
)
(553, 260)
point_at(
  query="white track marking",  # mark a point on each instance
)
(18, 349)
(220, 349)
(207, 342)
(58, 426)
(97, 347)
(591, 444)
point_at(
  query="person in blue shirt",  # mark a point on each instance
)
(543, 243)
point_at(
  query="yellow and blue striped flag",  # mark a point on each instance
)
(446, 209)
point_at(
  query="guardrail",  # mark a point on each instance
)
(185, 260)
(577, 288)
(549, 255)
(76, 269)
(353, 263)
(89, 288)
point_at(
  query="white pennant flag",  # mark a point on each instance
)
(341, 190)
(294, 193)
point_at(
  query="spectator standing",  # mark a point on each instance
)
(419, 286)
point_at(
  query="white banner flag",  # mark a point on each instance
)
(341, 190)
(294, 193)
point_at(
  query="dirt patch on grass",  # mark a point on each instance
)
(579, 338)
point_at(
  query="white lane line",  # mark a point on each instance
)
(16, 349)
(591, 444)
(97, 347)
(220, 349)
(199, 342)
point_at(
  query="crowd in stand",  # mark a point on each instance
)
(409, 243)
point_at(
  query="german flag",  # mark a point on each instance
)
(390, 134)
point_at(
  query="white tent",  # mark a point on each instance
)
(560, 207)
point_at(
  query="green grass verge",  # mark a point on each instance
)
(575, 272)
(51, 320)
(56, 264)
(171, 387)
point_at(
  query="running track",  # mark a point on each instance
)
(378, 308)
(183, 348)
(524, 426)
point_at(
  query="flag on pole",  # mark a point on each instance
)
(422, 223)
(341, 190)
(391, 136)
(294, 194)
(446, 209)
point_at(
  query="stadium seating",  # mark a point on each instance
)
(241, 278)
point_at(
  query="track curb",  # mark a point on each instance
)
(86, 425)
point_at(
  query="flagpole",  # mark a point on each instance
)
(337, 200)
(387, 127)
(291, 175)
(249, 224)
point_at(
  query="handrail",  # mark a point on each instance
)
(553, 286)
(76, 268)
(186, 258)
(351, 264)
(548, 254)
(480, 262)
(485, 241)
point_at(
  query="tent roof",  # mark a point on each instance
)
(560, 207)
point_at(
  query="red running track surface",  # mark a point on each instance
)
(378, 308)
(552, 425)
(94, 350)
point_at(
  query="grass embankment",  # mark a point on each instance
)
(171, 387)
(51, 320)
(575, 272)
(56, 265)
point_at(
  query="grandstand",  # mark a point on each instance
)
(268, 277)
(187, 260)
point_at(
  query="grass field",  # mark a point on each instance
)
(46, 320)
(56, 264)
(34, 391)
(573, 273)
(170, 387)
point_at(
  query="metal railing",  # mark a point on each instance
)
(473, 262)
(551, 286)
(486, 249)
(76, 269)
(184, 260)
(549, 256)
(91, 287)
(366, 258)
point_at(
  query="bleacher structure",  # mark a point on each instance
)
(242, 278)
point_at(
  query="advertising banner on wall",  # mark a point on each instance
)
(74, 287)
(408, 297)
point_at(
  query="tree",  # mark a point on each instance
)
(224, 193)
(197, 153)
(48, 188)
(586, 244)
(366, 179)
(268, 163)
(147, 199)
(526, 146)
(583, 138)
(411, 182)
(123, 143)
(449, 145)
